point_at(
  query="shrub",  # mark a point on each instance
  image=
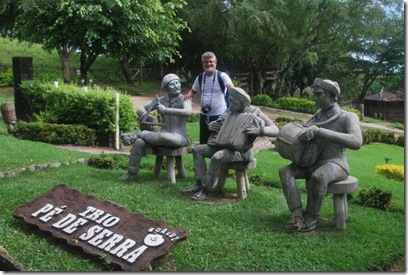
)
(48, 76)
(55, 133)
(352, 110)
(110, 162)
(399, 140)
(371, 135)
(375, 197)
(195, 117)
(297, 104)
(257, 180)
(263, 100)
(390, 171)
(102, 162)
(70, 104)
(281, 121)
(6, 78)
(377, 135)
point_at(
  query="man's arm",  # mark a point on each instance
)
(195, 89)
(230, 85)
(190, 94)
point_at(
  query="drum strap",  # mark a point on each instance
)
(333, 118)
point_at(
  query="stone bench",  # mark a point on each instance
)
(171, 154)
(339, 191)
(241, 176)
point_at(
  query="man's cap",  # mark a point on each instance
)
(168, 78)
(327, 85)
(240, 94)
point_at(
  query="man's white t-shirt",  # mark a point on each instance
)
(211, 93)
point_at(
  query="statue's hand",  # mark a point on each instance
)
(161, 109)
(155, 103)
(252, 131)
(129, 138)
(308, 133)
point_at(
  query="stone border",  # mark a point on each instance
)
(38, 167)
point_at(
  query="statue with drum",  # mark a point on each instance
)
(174, 111)
(232, 137)
(317, 150)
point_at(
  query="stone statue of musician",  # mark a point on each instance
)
(335, 130)
(232, 138)
(174, 111)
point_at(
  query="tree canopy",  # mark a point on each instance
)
(302, 39)
(144, 29)
(359, 43)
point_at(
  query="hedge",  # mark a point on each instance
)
(55, 133)
(70, 104)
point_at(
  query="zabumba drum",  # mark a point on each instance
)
(8, 112)
(288, 145)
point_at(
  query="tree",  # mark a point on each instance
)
(277, 37)
(122, 28)
(207, 32)
(376, 45)
(8, 13)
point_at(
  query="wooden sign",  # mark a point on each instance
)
(101, 227)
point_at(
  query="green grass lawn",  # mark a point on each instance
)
(224, 235)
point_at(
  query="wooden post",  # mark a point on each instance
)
(117, 122)
(22, 70)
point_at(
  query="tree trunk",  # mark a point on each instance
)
(368, 81)
(267, 87)
(86, 63)
(140, 74)
(256, 88)
(65, 70)
(65, 57)
(124, 65)
(279, 81)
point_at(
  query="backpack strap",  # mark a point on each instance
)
(222, 86)
(220, 82)
(200, 79)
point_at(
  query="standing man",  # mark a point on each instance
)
(335, 130)
(213, 86)
(174, 111)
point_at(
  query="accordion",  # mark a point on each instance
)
(231, 134)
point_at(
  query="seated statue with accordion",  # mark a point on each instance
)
(232, 137)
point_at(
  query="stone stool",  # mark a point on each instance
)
(339, 190)
(241, 176)
(170, 154)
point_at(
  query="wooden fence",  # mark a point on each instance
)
(246, 80)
